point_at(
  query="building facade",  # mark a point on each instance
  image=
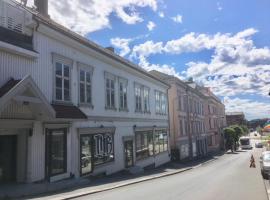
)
(187, 130)
(236, 118)
(215, 120)
(70, 108)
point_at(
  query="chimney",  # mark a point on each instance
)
(42, 7)
(110, 48)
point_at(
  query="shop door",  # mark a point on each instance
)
(128, 151)
(8, 158)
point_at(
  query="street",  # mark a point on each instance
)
(227, 178)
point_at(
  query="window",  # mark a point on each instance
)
(85, 86)
(146, 102)
(161, 141)
(62, 78)
(144, 144)
(142, 98)
(56, 151)
(180, 103)
(123, 94)
(161, 103)
(138, 98)
(110, 91)
(86, 154)
(104, 149)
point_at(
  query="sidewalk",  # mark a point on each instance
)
(68, 189)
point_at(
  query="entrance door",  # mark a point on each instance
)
(128, 151)
(8, 158)
(56, 152)
(86, 154)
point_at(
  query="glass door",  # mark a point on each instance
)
(86, 154)
(128, 151)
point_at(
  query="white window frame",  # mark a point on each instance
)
(111, 77)
(86, 69)
(160, 103)
(139, 86)
(56, 58)
(146, 110)
(124, 82)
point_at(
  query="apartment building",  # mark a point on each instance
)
(187, 130)
(70, 108)
(234, 118)
(215, 120)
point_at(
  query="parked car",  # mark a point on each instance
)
(258, 145)
(265, 164)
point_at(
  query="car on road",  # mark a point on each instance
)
(258, 145)
(265, 164)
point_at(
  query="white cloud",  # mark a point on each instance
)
(85, 16)
(219, 7)
(146, 49)
(122, 44)
(161, 14)
(252, 109)
(151, 25)
(237, 66)
(178, 19)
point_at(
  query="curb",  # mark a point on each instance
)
(121, 185)
(266, 189)
(68, 197)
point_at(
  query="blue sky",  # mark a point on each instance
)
(228, 41)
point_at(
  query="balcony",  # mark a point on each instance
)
(15, 25)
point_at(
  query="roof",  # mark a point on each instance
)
(68, 112)
(234, 113)
(61, 111)
(69, 33)
(8, 86)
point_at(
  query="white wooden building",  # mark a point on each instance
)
(70, 108)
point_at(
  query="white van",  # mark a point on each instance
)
(245, 143)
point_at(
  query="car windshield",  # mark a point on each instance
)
(266, 157)
(244, 141)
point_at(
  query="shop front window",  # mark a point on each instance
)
(104, 149)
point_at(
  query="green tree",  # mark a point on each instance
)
(245, 129)
(238, 132)
(229, 134)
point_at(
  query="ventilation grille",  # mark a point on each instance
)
(11, 17)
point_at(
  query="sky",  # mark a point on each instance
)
(224, 45)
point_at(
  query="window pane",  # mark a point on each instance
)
(112, 84)
(66, 95)
(82, 77)
(57, 151)
(108, 98)
(66, 84)
(58, 82)
(112, 99)
(88, 93)
(156, 143)
(103, 148)
(86, 154)
(82, 93)
(88, 77)
(107, 83)
(58, 69)
(58, 94)
(66, 71)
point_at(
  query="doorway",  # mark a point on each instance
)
(128, 151)
(8, 157)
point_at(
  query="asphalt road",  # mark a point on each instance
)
(228, 178)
